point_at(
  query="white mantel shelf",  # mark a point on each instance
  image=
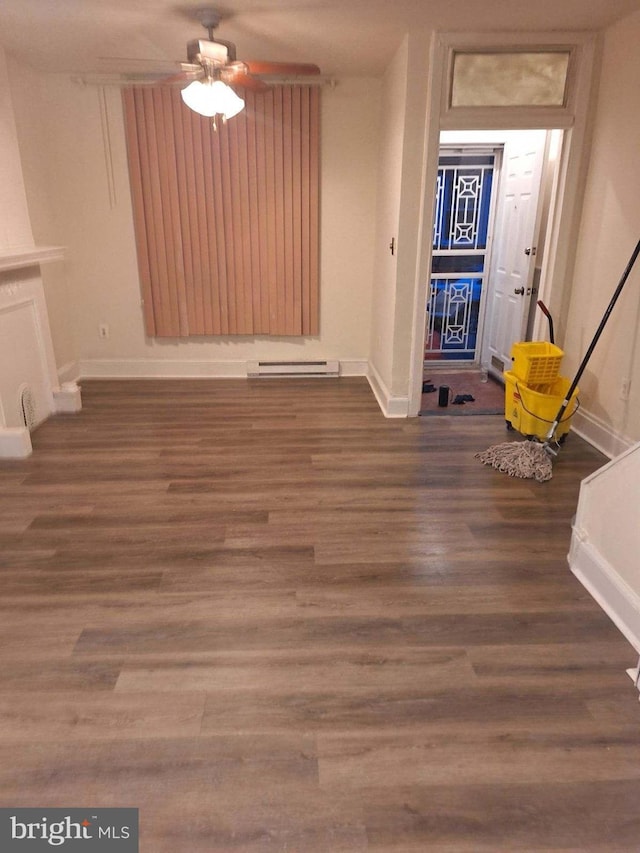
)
(13, 259)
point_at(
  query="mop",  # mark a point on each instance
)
(532, 460)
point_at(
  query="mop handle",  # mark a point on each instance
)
(592, 345)
(547, 314)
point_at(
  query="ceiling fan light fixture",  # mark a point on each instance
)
(211, 98)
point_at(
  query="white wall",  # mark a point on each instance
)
(610, 229)
(389, 176)
(87, 207)
(410, 218)
(15, 226)
(606, 539)
(400, 176)
(30, 107)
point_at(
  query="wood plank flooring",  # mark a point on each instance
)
(274, 620)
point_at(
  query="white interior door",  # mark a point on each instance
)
(514, 246)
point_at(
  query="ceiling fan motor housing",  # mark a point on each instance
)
(212, 51)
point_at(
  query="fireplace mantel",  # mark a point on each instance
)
(30, 388)
(28, 256)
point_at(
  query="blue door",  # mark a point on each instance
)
(459, 262)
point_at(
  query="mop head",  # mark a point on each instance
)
(528, 460)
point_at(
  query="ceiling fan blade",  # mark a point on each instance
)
(239, 77)
(182, 78)
(287, 68)
(141, 59)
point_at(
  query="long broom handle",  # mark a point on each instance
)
(592, 345)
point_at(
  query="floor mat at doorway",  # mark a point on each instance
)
(488, 397)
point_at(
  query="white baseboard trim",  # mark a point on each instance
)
(93, 368)
(15, 443)
(354, 367)
(69, 372)
(599, 434)
(67, 399)
(604, 584)
(392, 407)
(148, 368)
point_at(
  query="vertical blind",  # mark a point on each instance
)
(226, 221)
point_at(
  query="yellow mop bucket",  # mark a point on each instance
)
(536, 362)
(531, 412)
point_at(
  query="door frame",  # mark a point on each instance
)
(572, 118)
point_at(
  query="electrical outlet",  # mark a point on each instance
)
(103, 330)
(624, 389)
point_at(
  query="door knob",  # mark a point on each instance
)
(519, 291)
(530, 251)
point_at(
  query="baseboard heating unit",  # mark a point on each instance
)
(293, 368)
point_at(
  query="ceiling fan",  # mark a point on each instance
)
(212, 68)
(216, 59)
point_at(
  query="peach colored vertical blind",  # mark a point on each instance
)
(226, 222)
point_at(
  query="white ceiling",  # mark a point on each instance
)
(344, 37)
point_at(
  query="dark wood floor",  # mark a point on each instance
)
(274, 620)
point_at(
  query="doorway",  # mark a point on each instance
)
(494, 195)
(463, 223)
(457, 101)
